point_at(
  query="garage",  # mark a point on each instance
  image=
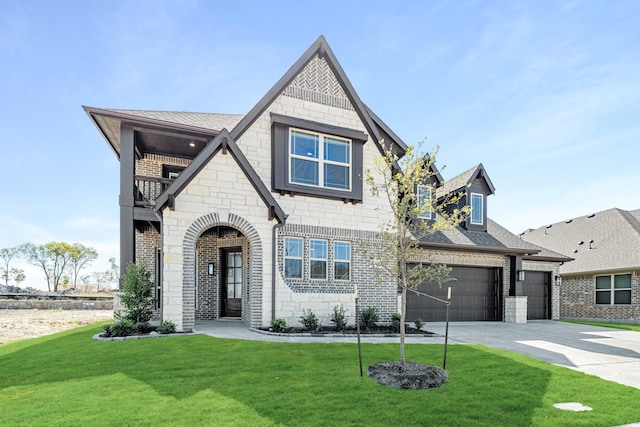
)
(536, 287)
(476, 295)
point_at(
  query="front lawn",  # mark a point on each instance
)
(626, 326)
(67, 379)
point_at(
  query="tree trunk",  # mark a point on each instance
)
(403, 310)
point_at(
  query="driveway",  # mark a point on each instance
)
(608, 353)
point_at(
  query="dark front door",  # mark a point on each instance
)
(232, 282)
(536, 287)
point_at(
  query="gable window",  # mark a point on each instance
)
(618, 294)
(318, 259)
(319, 160)
(342, 260)
(477, 211)
(293, 250)
(424, 201)
(316, 159)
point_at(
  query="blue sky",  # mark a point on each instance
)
(546, 94)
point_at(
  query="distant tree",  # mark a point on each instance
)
(86, 281)
(81, 257)
(402, 182)
(100, 278)
(17, 275)
(52, 258)
(7, 254)
(113, 274)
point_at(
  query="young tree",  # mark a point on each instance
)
(137, 293)
(53, 258)
(81, 256)
(7, 254)
(402, 182)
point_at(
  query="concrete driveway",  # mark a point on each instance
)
(611, 354)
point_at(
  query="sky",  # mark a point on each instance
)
(545, 94)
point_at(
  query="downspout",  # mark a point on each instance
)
(274, 258)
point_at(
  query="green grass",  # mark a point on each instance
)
(627, 326)
(68, 379)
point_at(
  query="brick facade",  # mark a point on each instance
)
(577, 300)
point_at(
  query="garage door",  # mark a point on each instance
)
(536, 287)
(474, 296)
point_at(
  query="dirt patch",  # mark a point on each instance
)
(20, 324)
(416, 376)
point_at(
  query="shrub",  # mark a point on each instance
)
(309, 320)
(339, 317)
(369, 318)
(278, 325)
(144, 327)
(419, 323)
(137, 293)
(166, 327)
(106, 330)
(122, 328)
(395, 321)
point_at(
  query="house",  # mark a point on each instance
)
(262, 215)
(603, 281)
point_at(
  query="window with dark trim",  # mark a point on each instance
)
(318, 259)
(477, 209)
(293, 254)
(342, 260)
(424, 201)
(618, 294)
(316, 159)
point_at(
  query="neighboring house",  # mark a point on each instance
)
(263, 215)
(603, 281)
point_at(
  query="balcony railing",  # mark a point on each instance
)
(148, 189)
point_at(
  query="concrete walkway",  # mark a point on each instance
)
(608, 353)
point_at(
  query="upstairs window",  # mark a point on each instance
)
(319, 160)
(618, 294)
(477, 209)
(293, 250)
(316, 159)
(424, 201)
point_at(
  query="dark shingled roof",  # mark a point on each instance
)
(496, 239)
(212, 121)
(604, 241)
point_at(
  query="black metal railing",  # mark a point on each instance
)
(148, 189)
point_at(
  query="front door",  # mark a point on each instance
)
(232, 282)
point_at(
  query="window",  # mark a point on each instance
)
(619, 294)
(319, 160)
(316, 159)
(424, 201)
(293, 257)
(342, 260)
(477, 213)
(318, 259)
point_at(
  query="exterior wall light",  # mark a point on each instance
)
(521, 276)
(212, 267)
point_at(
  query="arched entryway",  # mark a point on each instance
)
(222, 276)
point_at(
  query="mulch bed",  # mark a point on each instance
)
(415, 376)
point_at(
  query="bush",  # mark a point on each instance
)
(339, 317)
(419, 323)
(144, 327)
(309, 320)
(106, 330)
(122, 328)
(137, 293)
(369, 318)
(278, 325)
(395, 321)
(166, 327)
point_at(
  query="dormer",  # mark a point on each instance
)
(426, 190)
(473, 185)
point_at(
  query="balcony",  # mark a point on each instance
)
(148, 189)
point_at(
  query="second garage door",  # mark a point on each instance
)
(536, 287)
(475, 296)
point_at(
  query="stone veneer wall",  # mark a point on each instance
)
(577, 300)
(322, 295)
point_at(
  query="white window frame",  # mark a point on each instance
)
(481, 197)
(318, 259)
(297, 258)
(419, 190)
(335, 260)
(612, 289)
(320, 160)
